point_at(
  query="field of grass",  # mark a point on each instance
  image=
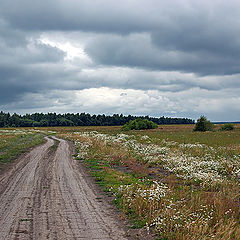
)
(172, 181)
(14, 142)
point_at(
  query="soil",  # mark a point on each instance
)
(47, 195)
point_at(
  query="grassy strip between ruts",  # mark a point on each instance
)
(15, 142)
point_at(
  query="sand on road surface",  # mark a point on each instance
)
(46, 196)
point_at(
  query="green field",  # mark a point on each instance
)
(174, 182)
(14, 142)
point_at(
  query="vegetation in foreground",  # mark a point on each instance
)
(176, 182)
(173, 181)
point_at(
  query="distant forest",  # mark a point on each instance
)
(78, 119)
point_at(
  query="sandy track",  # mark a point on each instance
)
(46, 196)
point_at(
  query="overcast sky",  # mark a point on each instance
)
(178, 58)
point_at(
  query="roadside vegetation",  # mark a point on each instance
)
(175, 182)
(14, 142)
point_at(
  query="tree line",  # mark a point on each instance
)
(79, 119)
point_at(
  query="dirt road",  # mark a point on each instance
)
(47, 196)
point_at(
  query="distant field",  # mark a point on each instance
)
(172, 181)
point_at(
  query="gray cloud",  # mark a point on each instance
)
(138, 50)
(173, 47)
(72, 15)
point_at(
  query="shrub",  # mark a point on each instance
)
(227, 127)
(203, 125)
(139, 124)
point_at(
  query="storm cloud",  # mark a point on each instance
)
(132, 57)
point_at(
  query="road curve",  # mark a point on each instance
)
(46, 196)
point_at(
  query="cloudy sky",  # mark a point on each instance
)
(178, 58)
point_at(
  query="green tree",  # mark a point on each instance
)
(83, 119)
(43, 123)
(203, 124)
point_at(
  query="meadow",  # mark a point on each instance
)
(176, 183)
(15, 142)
